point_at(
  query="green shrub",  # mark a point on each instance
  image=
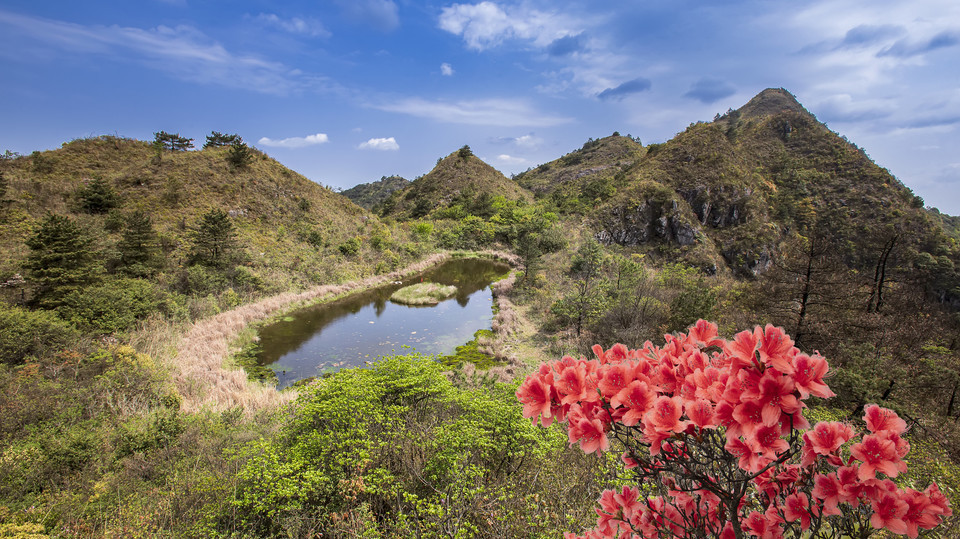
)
(396, 450)
(350, 247)
(25, 333)
(114, 306)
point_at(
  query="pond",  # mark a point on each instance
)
(357, 329)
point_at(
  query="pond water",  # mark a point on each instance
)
(356, 329)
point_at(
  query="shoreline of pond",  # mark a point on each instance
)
(204, 372)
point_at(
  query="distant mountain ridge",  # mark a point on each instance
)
(459, 178)
(371, 195)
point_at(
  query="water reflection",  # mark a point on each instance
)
(356, 329)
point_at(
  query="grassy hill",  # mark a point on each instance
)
(460, 178)
(731, 193)
(584, 169)
(370, 195)
(288, 228)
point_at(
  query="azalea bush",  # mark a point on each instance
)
(713, 432)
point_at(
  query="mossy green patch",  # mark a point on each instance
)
(423, 294)
(470, 352)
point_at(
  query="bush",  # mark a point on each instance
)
(350, 247)
(718, 445)
(397, 451)
(114, 306)
(25, 333)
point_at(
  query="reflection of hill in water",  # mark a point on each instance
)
(366, 324)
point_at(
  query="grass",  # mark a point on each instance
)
(423, 294)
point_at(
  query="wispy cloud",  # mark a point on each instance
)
(384, 144)
(446, 69)
(498, 112)
(382, 15)
(510, 160)
(308, 26)
(182, 51)
(295, 142)
(623, 90)
(525, 142)
(905, 48)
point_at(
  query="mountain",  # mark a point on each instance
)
(597, 160)
(370, 195)
(730, 194)
(281, 217)
(460, 178)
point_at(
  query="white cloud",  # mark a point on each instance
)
(309, 27)
(182, 51)
(446, 69)
(384, 144)
(499, 112)
(487, 25)
(295, 142)
(510, 160)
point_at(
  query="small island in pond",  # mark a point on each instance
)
(423, 294)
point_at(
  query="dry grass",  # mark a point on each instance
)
(198, 366)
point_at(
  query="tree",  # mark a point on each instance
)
(713, 432)
(465, 152)
(585, 302)
(60, 261)
(214, 240)
(139, 247)
(172, 141)
(217, 139)
(97, 197)
(239, 155)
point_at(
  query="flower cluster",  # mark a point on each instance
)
(714, 432)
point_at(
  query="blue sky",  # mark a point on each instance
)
(346, 91)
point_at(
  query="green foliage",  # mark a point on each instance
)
(400, 449)
(172, 141)
(371, 195)
(423, 294)
(26, 333)
(139, 247)
(422, 230)
(214, 240)
(350, 247)
(114, 306)
(470, 353)
(97, 197)
(60, 260)
(693, 301)
(239, 155)
(465, 153)
(217, 139)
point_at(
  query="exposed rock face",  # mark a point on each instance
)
(648, 221)
(718, 207)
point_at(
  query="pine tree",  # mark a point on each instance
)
(97, 197)
(239, 155)
(139, 247)
(60, 261)
(217, 139)
(173, 141)
(214, 240)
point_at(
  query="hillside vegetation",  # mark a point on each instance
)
(459, 179)
(132, 271)
(371, 195)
